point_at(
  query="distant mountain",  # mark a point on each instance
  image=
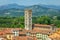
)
(42, 10)
(38, 10)
(51, 6)
(10, 6)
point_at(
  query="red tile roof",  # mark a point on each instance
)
(24, 38)
(42, 25)
(55, 35)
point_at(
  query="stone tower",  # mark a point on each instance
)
(28, 19)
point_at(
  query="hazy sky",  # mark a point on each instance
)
(30, 2)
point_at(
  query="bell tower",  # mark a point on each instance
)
(28, 19)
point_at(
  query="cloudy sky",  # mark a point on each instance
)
(30, 2)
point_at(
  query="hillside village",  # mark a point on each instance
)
(31, 31)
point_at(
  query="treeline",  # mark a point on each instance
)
(18, 22)
(47, 20)
(12, 22)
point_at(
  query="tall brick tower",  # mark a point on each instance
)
(28, 19)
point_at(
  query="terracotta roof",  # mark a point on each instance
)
(37, 29)
(22, 32)
(57, 29)
(33, 32)
(9, 30)
(42, 25)
(55, 35)
(24, 38)
(2, 33)
(42, 31)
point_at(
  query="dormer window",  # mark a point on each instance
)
(16, 33)
(28, 33)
